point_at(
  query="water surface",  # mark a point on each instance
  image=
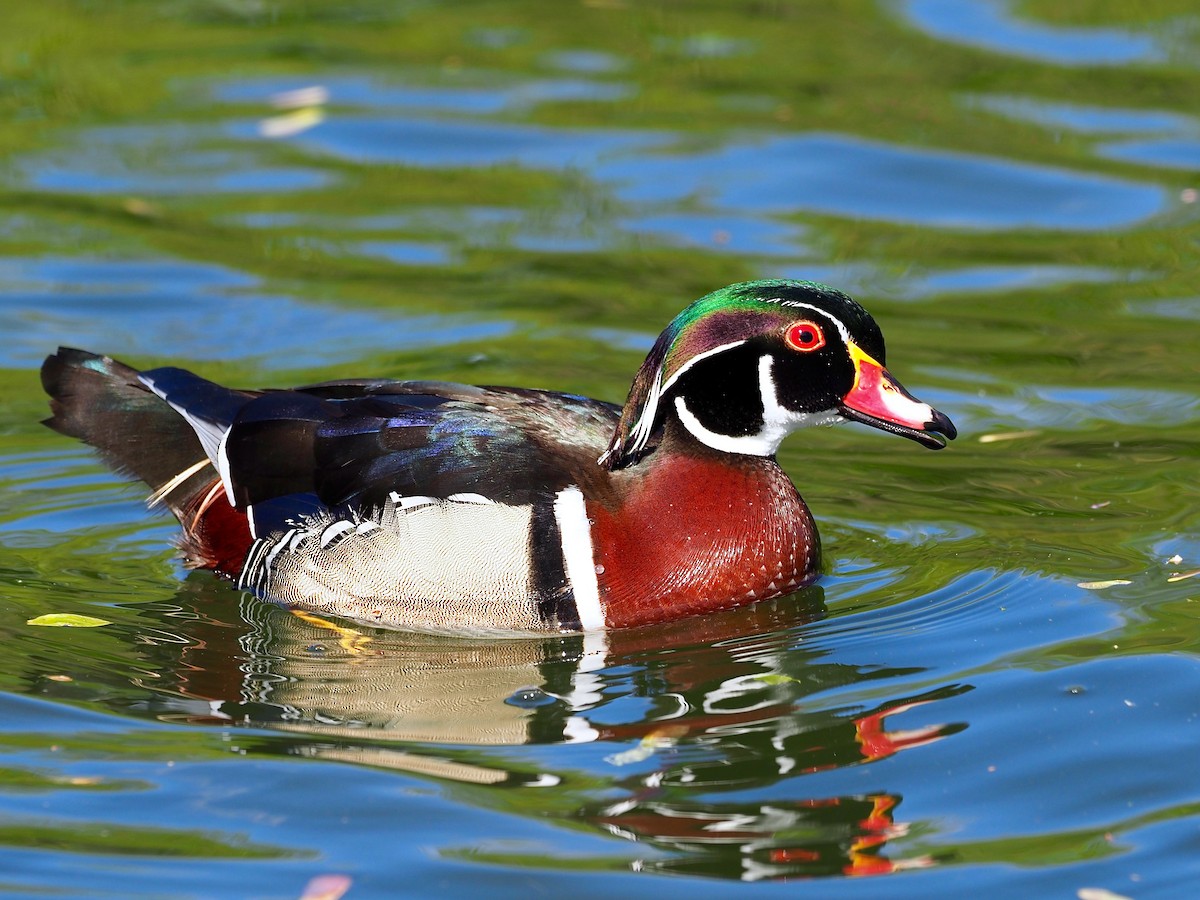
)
(993, 687)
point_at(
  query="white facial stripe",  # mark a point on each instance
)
(575, 532)
(699, 356)
(640, 433)
(642, 429)
(749, 444)
(778, 421)
(842, 329)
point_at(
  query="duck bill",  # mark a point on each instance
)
(879, 400)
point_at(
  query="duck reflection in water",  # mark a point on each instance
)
(713, 704)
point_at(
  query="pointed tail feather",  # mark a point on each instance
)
(102, 402)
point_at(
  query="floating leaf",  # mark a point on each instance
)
(291, 123)
(774, 678)
(1101, 585)
(68, 620)
(1180, 576)
(1005, 436)
(656, 739)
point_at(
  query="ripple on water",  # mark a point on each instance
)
(585, 61)
(990, 25)
(840, 175)
(440, 143)
(484, 98)
(831, 174)
(1085, 119)
(162, 160)
(1063, 409)
(970, 621)
(161, 308)
(916, 283)
(1171, 153)
(1175, 308)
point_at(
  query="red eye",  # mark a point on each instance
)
(805, 337)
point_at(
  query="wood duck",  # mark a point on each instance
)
(430, 505)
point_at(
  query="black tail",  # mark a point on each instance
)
(101, 401)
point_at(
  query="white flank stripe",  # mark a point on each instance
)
(222, 463)
(570, 512)
(250, 521)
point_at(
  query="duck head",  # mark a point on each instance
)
(743, 367)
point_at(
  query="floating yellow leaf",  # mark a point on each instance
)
(656, 739)
(774, 678)
(1005, 436)
(291, 123)
(1101, 585)
(68, 620)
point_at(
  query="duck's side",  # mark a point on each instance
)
(448, 506)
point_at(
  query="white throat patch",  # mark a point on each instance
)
(778, 421)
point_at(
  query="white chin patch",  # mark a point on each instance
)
(778, 422)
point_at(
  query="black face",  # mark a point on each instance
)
(723, 393)
(813, 368)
